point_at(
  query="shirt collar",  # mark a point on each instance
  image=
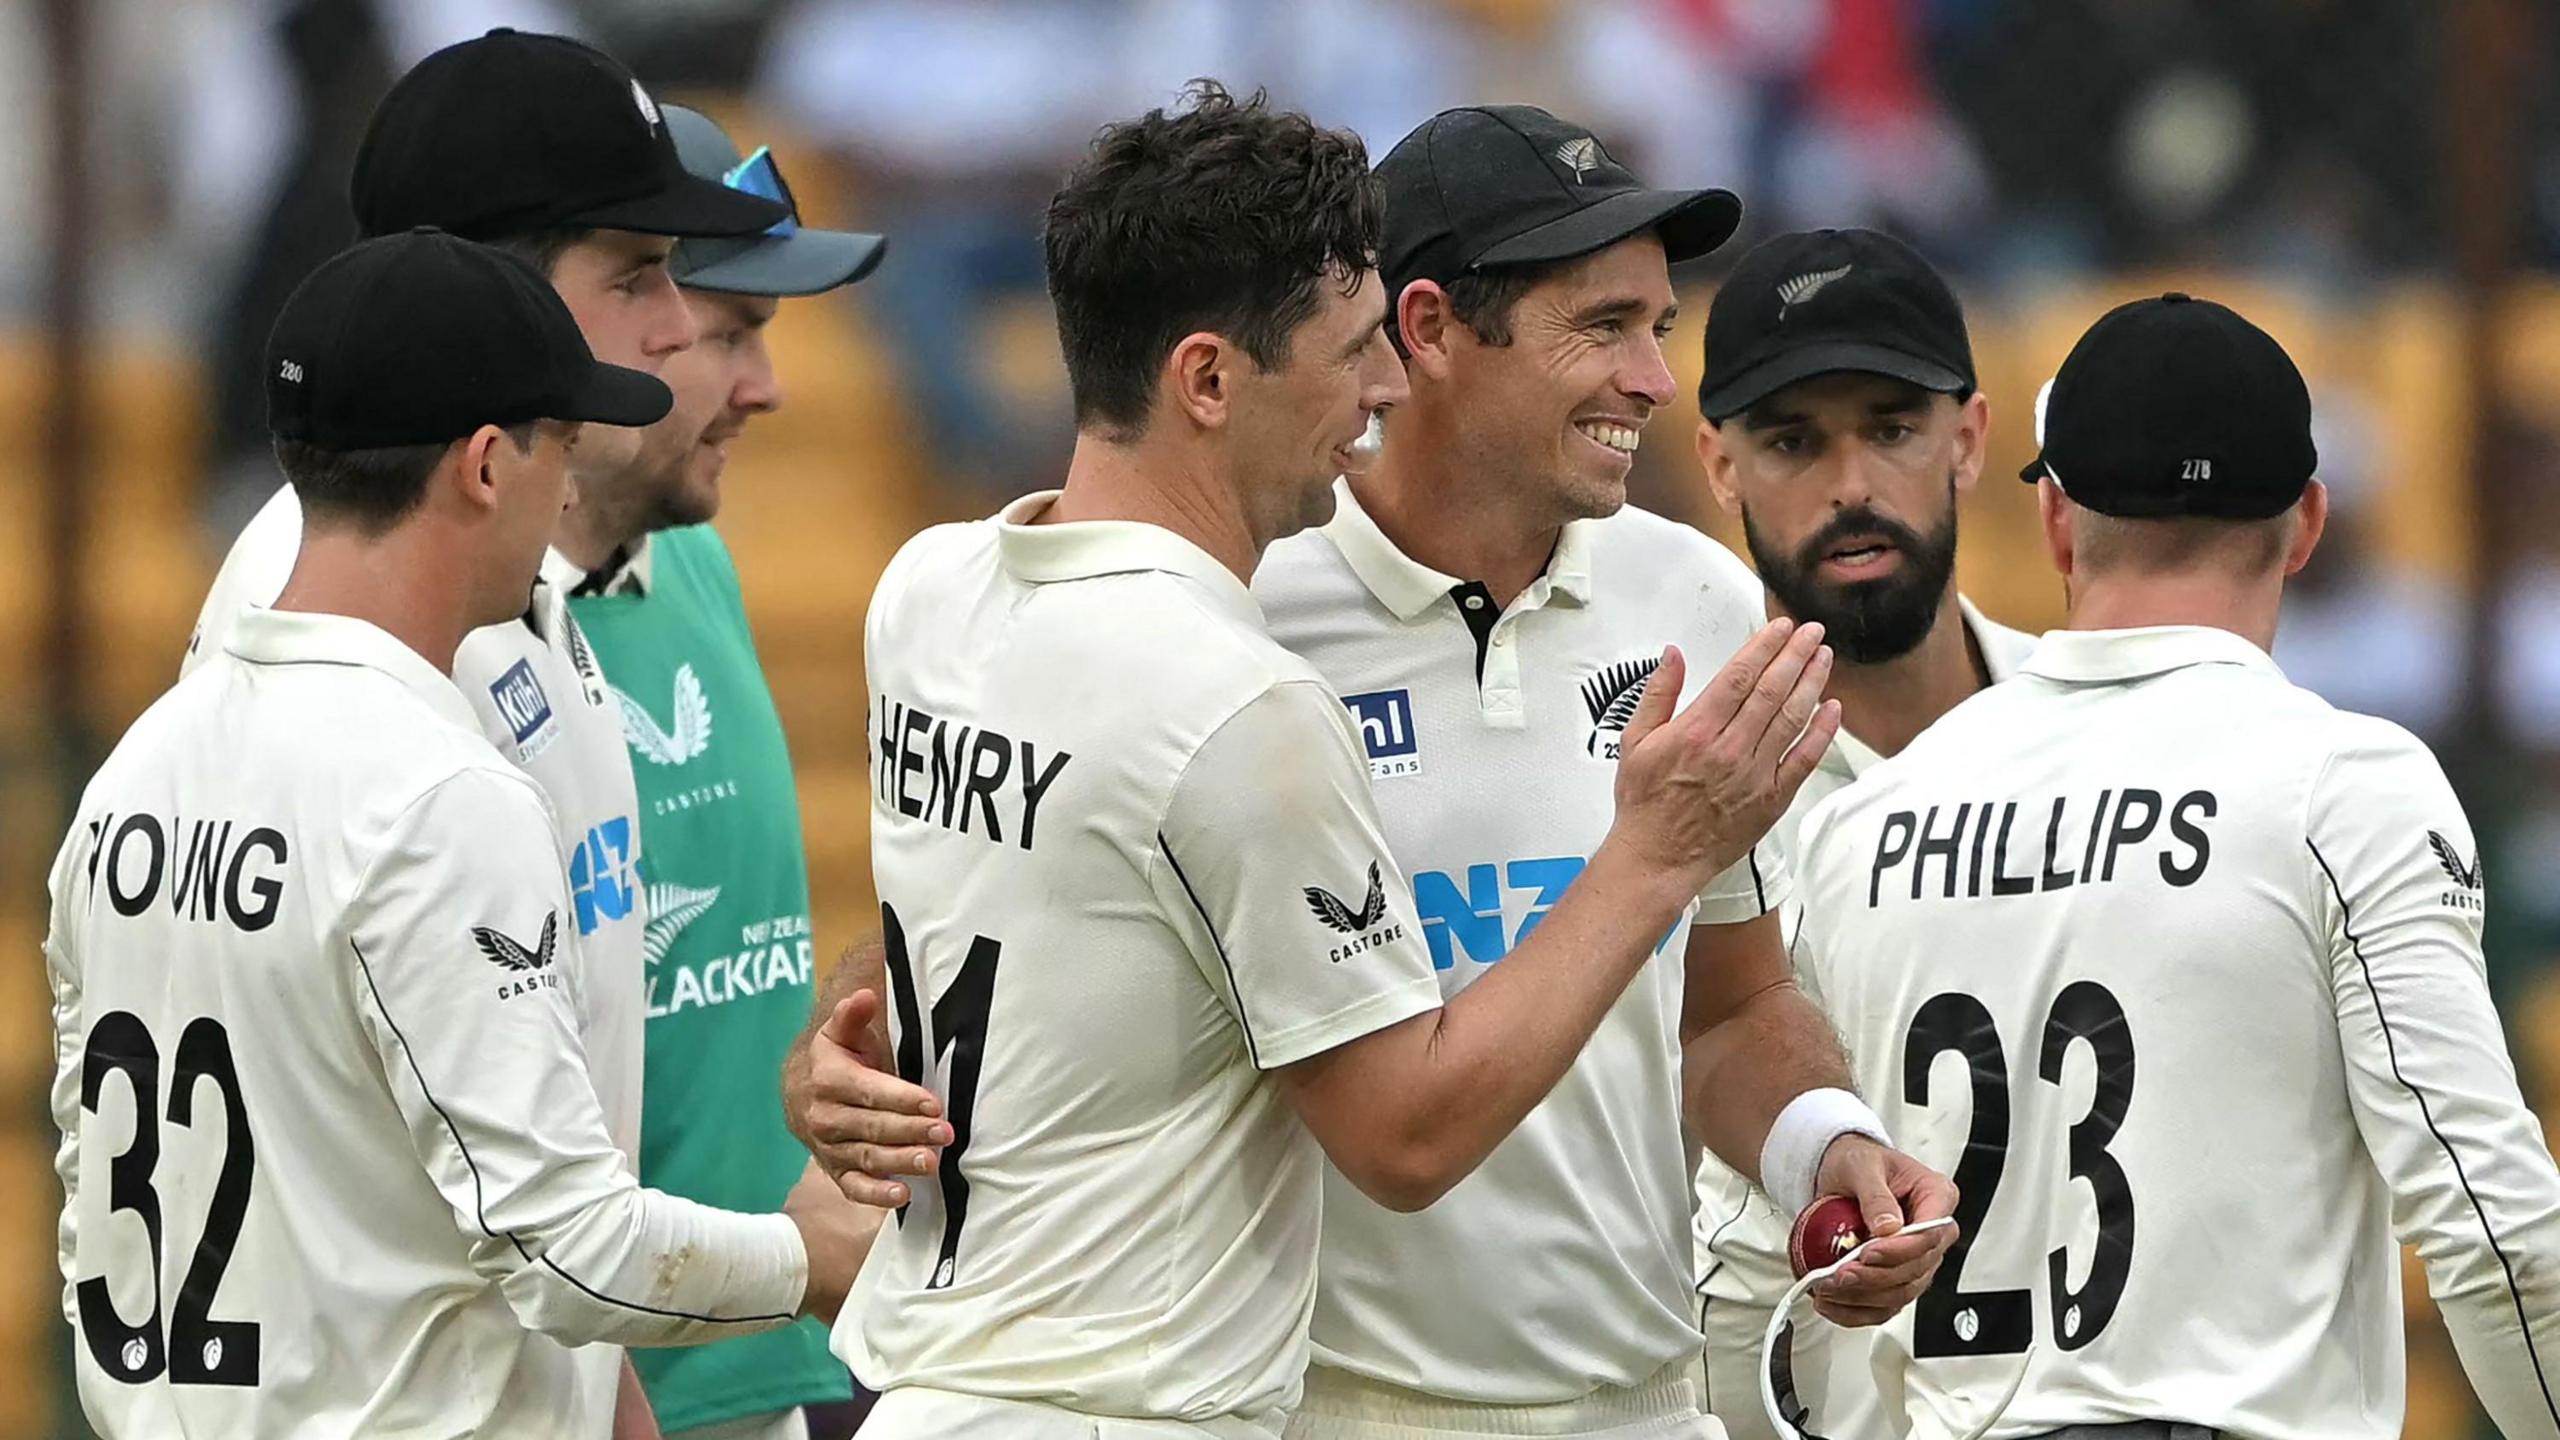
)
(2003, 650)
(2100, 657)
(303, 637)
(1084, 549)
(625, 572)
(1407, 587)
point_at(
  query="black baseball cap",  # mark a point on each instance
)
(2176, 406)
(515, 132)
(1490, 186)
(422, 338)
(1816, 302)
(786, 259)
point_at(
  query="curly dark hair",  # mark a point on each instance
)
(1220, 215)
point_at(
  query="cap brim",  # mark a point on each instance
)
(687, 206)
(804, 262)
(614, 395)
(1825, 358)
(1690, 222)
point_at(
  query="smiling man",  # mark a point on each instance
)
(1491, 607)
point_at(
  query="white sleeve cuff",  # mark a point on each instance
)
(1791, 1158)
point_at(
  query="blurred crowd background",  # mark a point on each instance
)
(2375, 181)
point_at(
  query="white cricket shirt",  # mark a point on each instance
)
(330, 1154)
(2176, 970)
(1561, 1265)
(1740, 1234)
(542, 701)
(1127, 863)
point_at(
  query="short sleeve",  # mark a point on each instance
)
(1275, 868)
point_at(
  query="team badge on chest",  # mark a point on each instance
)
(1610, 696)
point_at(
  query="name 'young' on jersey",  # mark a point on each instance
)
(2176, 970)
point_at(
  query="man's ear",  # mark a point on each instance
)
(470, 465)
(1427, 326)
(2311, 519)
(1199, 378)
(2054, 510)
(1718, 463)
(1973, 437)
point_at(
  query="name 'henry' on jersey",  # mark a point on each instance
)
(1127, 864)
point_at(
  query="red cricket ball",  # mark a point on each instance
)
(1828, 1229)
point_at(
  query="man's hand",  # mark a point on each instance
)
(1892, 1190)
(838, 1234)
(1698, 789)
(863, 1125)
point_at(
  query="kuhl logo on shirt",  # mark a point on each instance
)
(691, 733)
(1336, 915)
(1385, 718)
(1611, 697)
(521, 704)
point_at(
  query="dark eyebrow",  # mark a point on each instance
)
(1616, 309)
(1766, 417)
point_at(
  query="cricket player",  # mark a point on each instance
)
(1490, 607)
(728, 945)
(1531, 375)
(2180, 968)
(554, 151)
(1146, 938)
(1842, 426)
(331, 1158)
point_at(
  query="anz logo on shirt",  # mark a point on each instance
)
(1471, 918)
(601, 878)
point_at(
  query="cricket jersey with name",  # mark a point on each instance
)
(331, 1160)
(2176, 969)
(1741, 1235)
(729, 955)
(1561, 1266)
(542, 702)
(1128, 865)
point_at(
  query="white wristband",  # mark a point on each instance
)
(1791, 1158)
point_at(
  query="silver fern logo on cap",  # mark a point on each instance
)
(1792, 293)
(1581, 156)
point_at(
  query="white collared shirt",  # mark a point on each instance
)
(539, 698)
(1128, 864)
(1561, 1265)
(332, 1161)
(2177, 971)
